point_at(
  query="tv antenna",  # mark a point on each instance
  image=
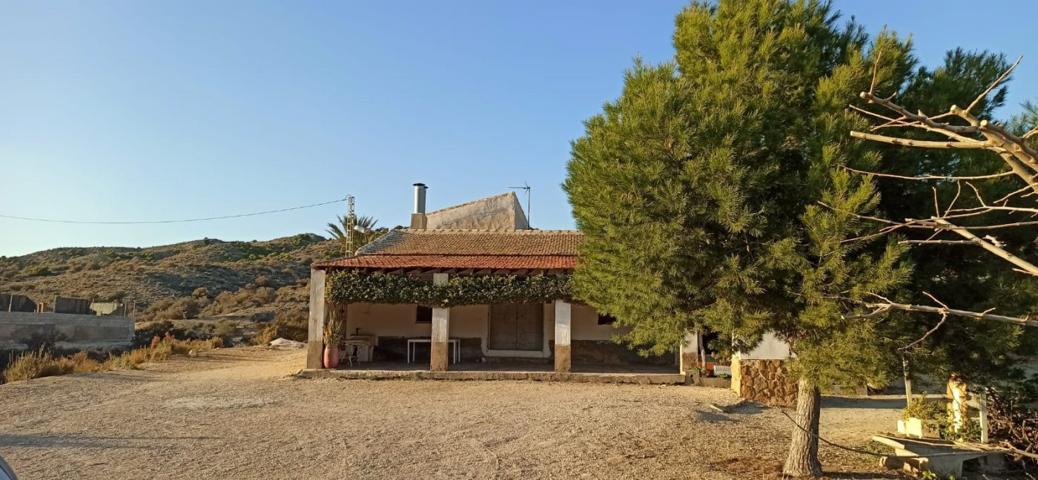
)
(351, 223)
(526, 188)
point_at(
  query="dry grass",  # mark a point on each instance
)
(41, 363)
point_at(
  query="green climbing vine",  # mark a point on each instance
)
(356, 287)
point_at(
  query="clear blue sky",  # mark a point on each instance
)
(130, 110)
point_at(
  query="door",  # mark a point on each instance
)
(516, 326)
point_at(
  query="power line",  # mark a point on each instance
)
(184, 220)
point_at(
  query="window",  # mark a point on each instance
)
(423, 315)
(606, 319)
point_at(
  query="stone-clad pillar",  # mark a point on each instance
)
(563, 335)
(439, 357)
(689, 358)
(315, 326)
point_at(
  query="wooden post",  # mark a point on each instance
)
(439, 358)
(563, 336)
(315, 327)
(982, 406)
(907, 374)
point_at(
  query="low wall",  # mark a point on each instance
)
(21, 330)
(608, 352)
(766, 381)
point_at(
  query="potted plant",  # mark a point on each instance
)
(334, 332)
(921, 419)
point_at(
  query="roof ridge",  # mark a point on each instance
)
(470, 202)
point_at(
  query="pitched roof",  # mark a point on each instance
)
(453, 248)
(494, 262)
(476, 242)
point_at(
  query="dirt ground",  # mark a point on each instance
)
(238, 413)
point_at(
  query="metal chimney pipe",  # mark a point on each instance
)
(419, 197)
(418, 219)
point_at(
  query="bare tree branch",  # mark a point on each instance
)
(886, 306)
(989, 246)
(930, 177)
(906, 142)
(998, 81)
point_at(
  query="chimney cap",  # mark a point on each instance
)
(420, 184)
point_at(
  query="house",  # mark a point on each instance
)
(523, 314)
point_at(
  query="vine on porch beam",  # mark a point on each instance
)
(357, 287)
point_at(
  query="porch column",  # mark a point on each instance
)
(315, 327)
(689, 357)
(441, 317)
(562, 336)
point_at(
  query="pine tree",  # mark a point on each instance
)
(699, 193)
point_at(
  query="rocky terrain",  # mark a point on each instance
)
(272, 272)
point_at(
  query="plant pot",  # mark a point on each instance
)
(331, 356)
(918, 428)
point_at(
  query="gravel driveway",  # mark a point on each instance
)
(238, 413)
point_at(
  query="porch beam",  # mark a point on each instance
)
(315, 325)
(563, 334)
(438, 350)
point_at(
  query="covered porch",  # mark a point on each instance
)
(507, 335)
(480, 302)
(527, 339)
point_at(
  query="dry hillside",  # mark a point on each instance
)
(271, 271)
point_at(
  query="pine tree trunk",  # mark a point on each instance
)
(803, 447)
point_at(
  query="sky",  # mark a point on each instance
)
(125, 110)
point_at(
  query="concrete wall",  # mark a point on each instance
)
(72, 332)
(470, 321)
(491, 213)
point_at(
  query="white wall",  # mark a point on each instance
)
(770, 348)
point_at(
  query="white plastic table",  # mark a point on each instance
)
(454, 342)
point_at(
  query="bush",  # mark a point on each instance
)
(37, 271)
(182, 308)
(291, 325)
(225, 328)
(35, 364)
(40, 363)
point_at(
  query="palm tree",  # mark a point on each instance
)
(363, 231)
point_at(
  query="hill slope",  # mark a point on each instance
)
(145, 276)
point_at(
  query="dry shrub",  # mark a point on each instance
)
(183, 347)
(291, 324)
(249, 297)
(40, 363)
(35, 364)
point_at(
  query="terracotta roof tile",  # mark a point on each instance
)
(476, 242)
(482, 249)
(503, 262)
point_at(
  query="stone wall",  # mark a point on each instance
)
(765, 381)
(19, 330)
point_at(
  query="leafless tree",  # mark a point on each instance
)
(958, 128)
